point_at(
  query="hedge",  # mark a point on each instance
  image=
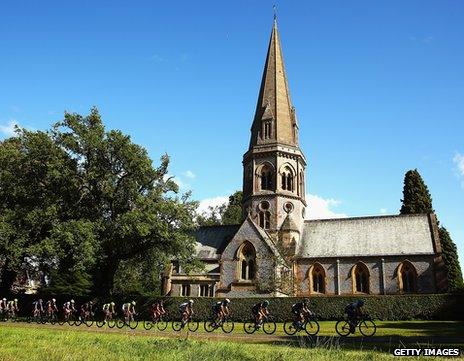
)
(385, 307)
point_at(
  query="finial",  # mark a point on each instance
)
(274, 7)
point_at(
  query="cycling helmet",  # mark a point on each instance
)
(133, 302)
(190, 301)
(16, 300)
(306, 301)
(112, 303)
(72, 301)
(4, 299)
(266, 303)
(226, 301)
(53, 300)
(360, 303)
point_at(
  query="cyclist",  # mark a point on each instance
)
(109, 311)
(157, 310)
(300, 311)
(68, 309)
(12, 308)
(128, 309)
(3, 306)
(221, 309)
(186, 311)
(86, 311)
(260, 312)
(354, 312)
(52, 308)
(37, 308)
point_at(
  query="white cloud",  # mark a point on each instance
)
(320, 208)
(383, 210)
(189, 174)
(458, 160)
(204, 205)
(9, 129)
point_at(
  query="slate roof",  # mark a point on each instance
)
(367, 236)
(212, 240)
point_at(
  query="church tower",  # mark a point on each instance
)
(274, 165)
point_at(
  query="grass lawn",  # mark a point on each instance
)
(35, 342)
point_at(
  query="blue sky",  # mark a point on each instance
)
(378, 87)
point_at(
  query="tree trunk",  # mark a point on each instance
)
(104, 278)
(7, 279)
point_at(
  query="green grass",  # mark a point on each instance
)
(36, 342)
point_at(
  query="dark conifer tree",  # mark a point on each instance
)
(451, 260)
(416, 195)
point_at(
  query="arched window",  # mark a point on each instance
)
(407, 277)
(265, 219)
(317, 279)
(287, 179)
(247, 262)
(267, 129)
(266, 178)
(360, 278)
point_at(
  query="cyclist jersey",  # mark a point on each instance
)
(297, 307)
(350, 308)
(256, 308)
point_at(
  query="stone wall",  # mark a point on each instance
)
(380, 282)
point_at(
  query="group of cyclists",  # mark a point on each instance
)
(8, 309)
(220, 311)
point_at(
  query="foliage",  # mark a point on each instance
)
(224, 214)
(80, 200)
(451, 261)
(416, 195)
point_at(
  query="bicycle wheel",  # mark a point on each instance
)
(192, 326)
(147, 325)
(228, 326)
(289, 328)
(249, 327)
(111, 323)
(210, 326)
(120, 324)
(367, 328)
(133, 324)
(343, 328)
(176, 325)
(312, 327)
(88, 323)
(161, 325)
(269, 327)
(100, 323)
(77, 322)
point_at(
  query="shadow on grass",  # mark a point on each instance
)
(430, 329)
(384, 344)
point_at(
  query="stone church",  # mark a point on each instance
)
(276, 252)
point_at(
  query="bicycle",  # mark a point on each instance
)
(87, 318)
(365, 325)
(219, 322)
(309, 325)
(161, 325)
(127, 320)
(192, 326)
(268, 325)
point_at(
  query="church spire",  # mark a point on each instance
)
(275, 120)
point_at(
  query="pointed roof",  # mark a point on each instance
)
(274, 101)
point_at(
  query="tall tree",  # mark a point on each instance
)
(223, 214)
(417, 199)
(416, 195)
(451, 261)
(80, 200)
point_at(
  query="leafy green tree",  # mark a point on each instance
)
(416, 195)
(451, 261)
(35, 190)
(82, 200)
(224, 214)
